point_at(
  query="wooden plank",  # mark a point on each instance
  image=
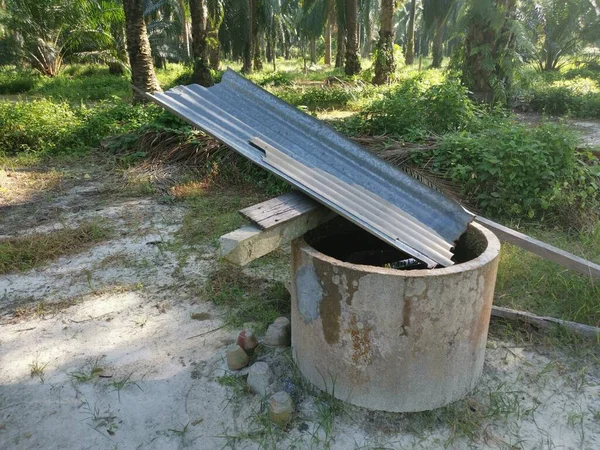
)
(251, 242)
(279, 210)
(542, 249)
(545, 322)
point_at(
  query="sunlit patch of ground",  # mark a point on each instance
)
(18, 186)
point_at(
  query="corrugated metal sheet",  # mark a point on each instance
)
(324, 164)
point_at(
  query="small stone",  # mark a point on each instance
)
(247, 340)
(281, 408)
(260, 378)
(282, 322)
(237, 358)
(278, 334)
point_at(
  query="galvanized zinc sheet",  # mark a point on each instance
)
(324, 164)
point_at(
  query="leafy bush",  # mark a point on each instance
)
(318, 97)
(416, 105)
(49, 127)
(92, 87)
(34, 126)
(575, 91)
(84, 70)
(17, 82)
(577, 96)
(512, 170)
(273, 79)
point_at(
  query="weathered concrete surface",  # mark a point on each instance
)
(388, 339)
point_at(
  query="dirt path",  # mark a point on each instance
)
(97, 350)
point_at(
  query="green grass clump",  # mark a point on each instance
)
(35, 126)
(26, 252)
(14, 81)
(45, 126)
(529, 283)
(572, 91)
(95, 86)
(317, 98)
(246, 299)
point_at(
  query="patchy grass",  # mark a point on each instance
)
(38, 369)
(237, 384)
(245, 299)
(527, 282)
(212, 212)
(121, 384)
(26, 252)
(89, 372)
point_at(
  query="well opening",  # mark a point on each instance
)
(347, 242)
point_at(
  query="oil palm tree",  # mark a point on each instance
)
(409, 57)
(352, 66)
(143, 76)
(384, 53)
(46, 32)
(201, 74)
(435, 13)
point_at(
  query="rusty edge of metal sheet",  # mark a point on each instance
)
(324, 164)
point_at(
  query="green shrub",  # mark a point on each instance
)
(415, 106)
(48, 127)
(512, 170)
(17, 82)
(35, 126)
(92, 87)
(275, 79)
(318, 97)
(579, 97)
(84, 70)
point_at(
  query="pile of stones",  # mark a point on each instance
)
(261, 379)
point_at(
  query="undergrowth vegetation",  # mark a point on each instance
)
(573, 91)
(511, 170)
(503, 168)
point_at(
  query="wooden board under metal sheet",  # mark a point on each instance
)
(280, 209)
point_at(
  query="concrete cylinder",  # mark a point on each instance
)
(392, 340)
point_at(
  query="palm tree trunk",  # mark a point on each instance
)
(367, 39)
(214, 49)
(138, 48)
(201, 74)
(384, 54)
(313, 50)
(248, 50)
(258, 64)
(496, 63)
(352, 61)
(328, 27)
(410, 38)
(340, 47)
(185, 32)
(437, 50)
(286, 44)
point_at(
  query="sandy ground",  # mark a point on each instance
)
(123, 313)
